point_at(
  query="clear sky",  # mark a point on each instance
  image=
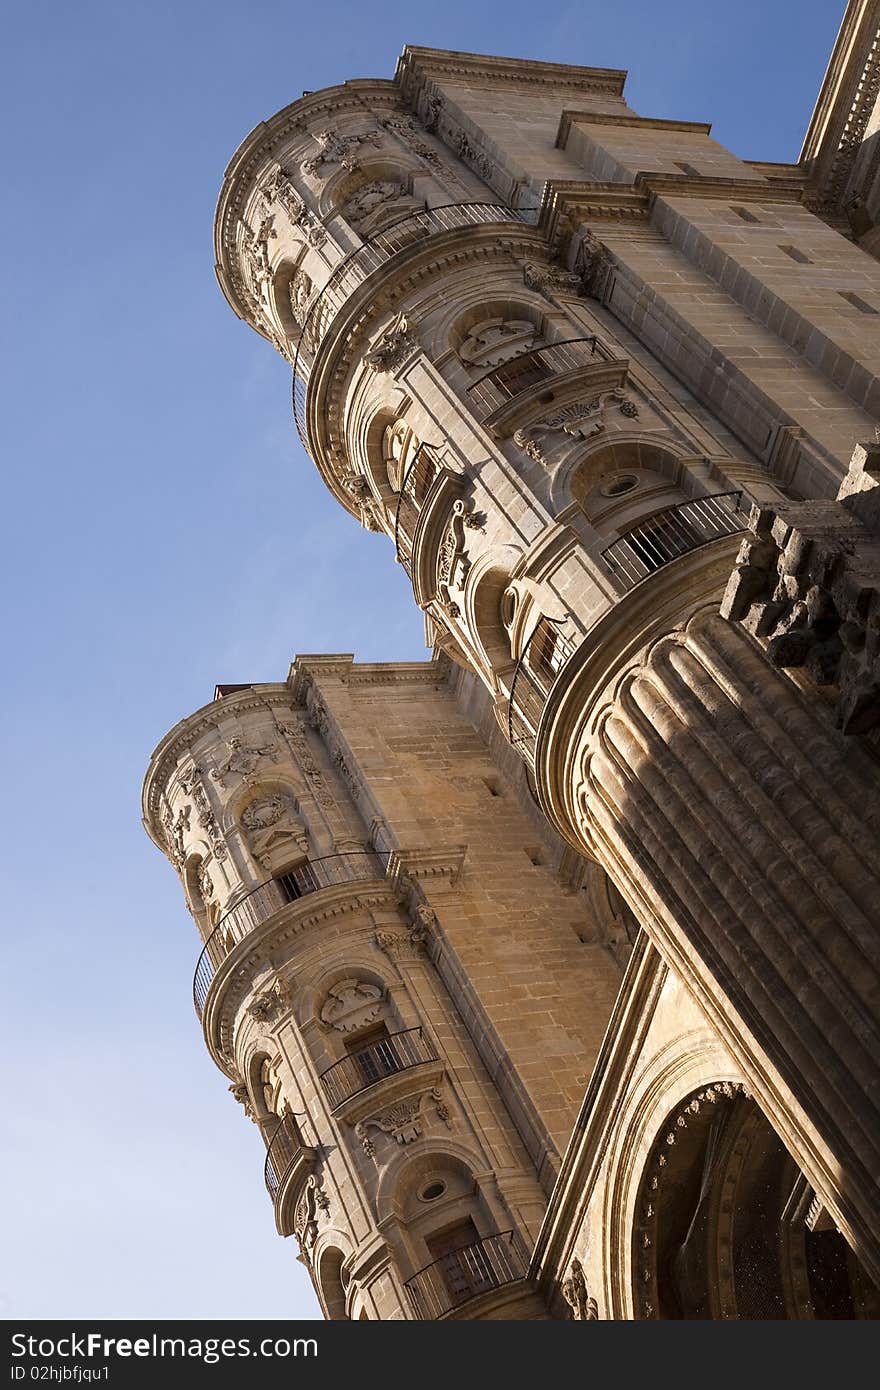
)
(163, 532)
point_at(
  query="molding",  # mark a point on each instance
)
(385, 1091)
(422, 864)
(433, 523)
(846, 99)
(548, 396)
(417, 65)
(574, 117)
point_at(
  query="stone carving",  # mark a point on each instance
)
(208, 821)
(240, 1092)
(241, 759)
(300, 292)
(257, 251)
(581, 420)
(270, 824)
(206, 886)
(495, 341)
(367, 1144)
(407, 130)
(400, 1121)
(179, 828)
(296, 735)
(808, 581)
(189, 777)
(338, 149)
(629, 409)
(453, 564)
(271, 1004)
(549, 279)
(351, 1005)
(312, 1199)
(441, 1109)
(370, 197)
(277, 188)
(431, 114)
(593, 264)
(575, 1292)
(478, 161)
(529, 445)
(392, 348)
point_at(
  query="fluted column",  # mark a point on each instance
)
(743, 829)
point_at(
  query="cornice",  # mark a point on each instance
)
(575, 117)
(417, 65)
(444, 861)
(591, 379)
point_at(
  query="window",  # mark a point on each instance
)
(796, 255)
(745, 214)
(857, 302)
(374, 1055)
(520, 373)
(461, 1261)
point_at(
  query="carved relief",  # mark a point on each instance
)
(371, 196)
(581, 420)
(296, 735)
(257, 252)
(240, 1092)
(407, 130)
(593, 264)
(271, 1004)
(277, 188)
(576, 1294)
(242, 759)
(549, 279)
(270, 825)
(312, 1199)
(208, 821)
(206, 886)
(338, 149)
(351, 1005)
(392, 348)
(453, 564)
(403, 1121)
(495, 341)
(300, 292)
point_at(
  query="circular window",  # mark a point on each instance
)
(616, 487)
(432, 1191)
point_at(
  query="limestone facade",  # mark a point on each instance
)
(610, 391)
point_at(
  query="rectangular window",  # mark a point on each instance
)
(745, 214)
(520, 373)
(857, 302)
(796, 255)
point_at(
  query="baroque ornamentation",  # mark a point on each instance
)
(242, 759)
(294, 732)
(371, 196)
(300, 292)
(312, 1200)
(268, 1006)
(403, 1121)
(581, 420)
(392, 348)
(453, 564)
(338, 149)
(547, 279)
(807, 580)
(576, 1294)
(495, 341)
(351, 1005)
(277, 188)
(240, 1092)
(593, 264)
(208, 821)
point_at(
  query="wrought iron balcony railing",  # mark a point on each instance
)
(285, 1147)
(464, 1274)
(532, 368)
(373, 1063)
(357, 267)
(269, 897)
(413, 490)
(673, 532)
(545, 653)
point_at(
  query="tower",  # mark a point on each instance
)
(603, 385)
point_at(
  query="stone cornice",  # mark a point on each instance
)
(445, 861)
(846, 97)
(739, 190)
(574, 117)
(417, 65)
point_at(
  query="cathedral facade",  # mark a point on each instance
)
(548, 967)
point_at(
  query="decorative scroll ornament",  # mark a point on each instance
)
(392, 348)
(338, 149)
(593, 264)
(548, 279)
(296, 736)
(581, 420)
(208, 821)
(179, 828)
(453, 564)
(206, 885)
(403, 1121)
(240, 1092)
(371, 196)
(576, 1294)
(242, 759)
(300, 292)
(270, 824)
(351, 1005)
(257, 249)
(277, 188)
(495, 341)
(312, 1199)
(407, 130)
(271, 1004)
(189, 777)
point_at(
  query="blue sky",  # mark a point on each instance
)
(163, 532)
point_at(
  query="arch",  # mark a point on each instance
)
(725, 1227)
(487, 583)
(376, 195)
(490, 332)
(405, 1168)
(328, 1280)
(290, 290)
(584, 472)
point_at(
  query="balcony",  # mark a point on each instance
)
(673, 532)
(286, 1154)
(528, 370)
(268, 898)
(386, 1057)
(357, 268)
(545, 653)
(464, 1274)
(413, 491)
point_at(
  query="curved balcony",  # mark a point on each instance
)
(463, 1274)
(543, 657)
(270, 897)
(530, 369)
(357, 267)
(413, 491)
(285, 1153)
(673, 532)
(386, 1057)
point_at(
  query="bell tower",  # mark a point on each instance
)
(602, 385)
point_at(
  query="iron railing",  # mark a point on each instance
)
(543, 657)
(530, 369)
(267, 898)
(285, 1146)
(464, 1274)
(413, 490)
(360, 264)
(672, 532)
(373, 1063)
